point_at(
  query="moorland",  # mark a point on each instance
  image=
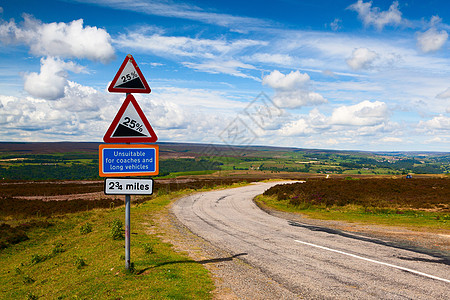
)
(63, 238)
(79, 161)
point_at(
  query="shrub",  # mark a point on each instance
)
(79, 262)
(36, 258)
(58, 249)
(11, 235)
(148, 248)
(86, 228)
(28, 280)
(117, 230)
(373, 192)
(31, 296)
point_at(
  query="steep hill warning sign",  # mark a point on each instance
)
(129, 78)
(130, 125)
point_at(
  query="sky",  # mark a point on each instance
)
(327, 74)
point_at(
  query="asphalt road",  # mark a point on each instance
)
(312, 262)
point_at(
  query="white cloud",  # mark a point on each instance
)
(292, 90)
(363, 119)
(336, 24)
(296, 128)
(207, 55)
(365, 113)
(293, 80)
(362, 58)
(373, 16)
(80, 99)
(443, 141)
(191, 99)
(67, 40)
(230, 67)
(83, 114)
(32, 119)
(50, 83)
(168, 115)
(306, 125)
(174, 9)
(183, 46)
(431, 40)
(272, 58)
(441, 123)
(390, 139)
(341, 142)
(329, 73)
(444, 95)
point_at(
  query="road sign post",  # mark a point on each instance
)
(127, 232)
(129, 126)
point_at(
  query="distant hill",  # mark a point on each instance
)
(196, 149)
(79, 160)
(48, 148)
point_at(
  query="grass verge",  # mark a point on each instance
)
(66, 261)
(411, 219)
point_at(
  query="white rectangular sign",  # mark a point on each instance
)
(128, 186)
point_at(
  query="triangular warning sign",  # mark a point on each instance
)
(129, 78)
(130, 125)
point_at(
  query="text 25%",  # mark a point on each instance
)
(133, 124)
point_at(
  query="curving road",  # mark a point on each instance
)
(312, 262)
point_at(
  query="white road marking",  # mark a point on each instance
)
(375, 261)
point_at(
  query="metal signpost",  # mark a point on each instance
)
(129, 126)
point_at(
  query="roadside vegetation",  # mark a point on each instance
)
(63, 253)
(68, 261)
(420, 203)
(75, 248)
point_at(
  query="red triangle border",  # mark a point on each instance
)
(111, 87)
(108, 138)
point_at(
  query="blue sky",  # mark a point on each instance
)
(346, 75)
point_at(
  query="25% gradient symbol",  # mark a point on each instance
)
(129, 76)
(133, 124)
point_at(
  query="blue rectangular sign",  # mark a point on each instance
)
(128, 160)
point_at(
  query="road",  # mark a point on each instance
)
(311, 262)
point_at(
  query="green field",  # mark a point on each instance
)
(61, 259)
